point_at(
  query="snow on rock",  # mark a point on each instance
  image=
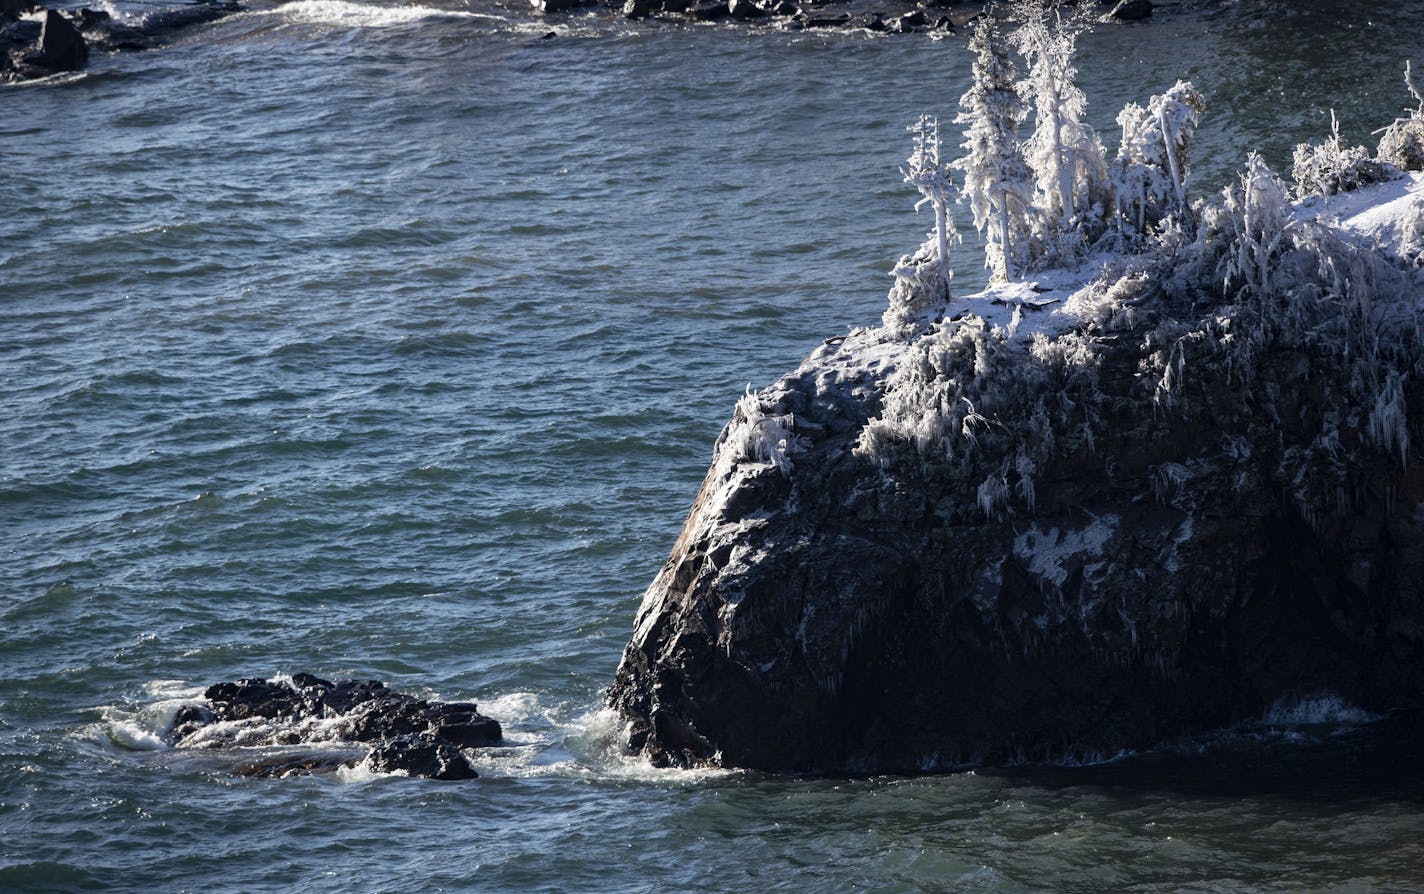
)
(1387, 216)
(1046, 551)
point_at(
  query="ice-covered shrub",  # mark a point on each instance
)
(978, 406)
(1332, 167)
(1411, 233)
(754, 436)
(1402, 144)
(1150, 171)
(1251, 225)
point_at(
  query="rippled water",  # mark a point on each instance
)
(391, 341)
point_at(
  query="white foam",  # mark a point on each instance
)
(361, 772)
(362, 15)
(1320, 709)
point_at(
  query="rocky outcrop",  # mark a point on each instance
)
(64, 40)
(404, 733)
(61, 46)
(1056, 524)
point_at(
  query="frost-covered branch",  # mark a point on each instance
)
(1332, 167)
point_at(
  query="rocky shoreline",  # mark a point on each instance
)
(37, 42)
(886, 17)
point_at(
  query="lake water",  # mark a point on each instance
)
(391, 342)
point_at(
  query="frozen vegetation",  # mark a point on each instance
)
(997, 382)
(1159, 475)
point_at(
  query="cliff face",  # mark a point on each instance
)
(1128, 512)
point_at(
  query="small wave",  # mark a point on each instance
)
(55, 80)
(140, 727)
(361, 15)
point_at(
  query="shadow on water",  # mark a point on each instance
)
(1369, 764)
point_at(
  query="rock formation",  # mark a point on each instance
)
(422, 738)
(1057, 522)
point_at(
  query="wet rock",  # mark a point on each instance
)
(187, 721)
(1132, 10)
(10, 10)
(910, 21)
(244, 699)
(282, 766)
(423, 755)
(61, 46)
(639, 9)
(746, 9)
(707, 11)
(461, 723)
(90, 19)
(547, 7)
(410, 733)
(784, 8)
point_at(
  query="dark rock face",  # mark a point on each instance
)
(745, 9)
(10, 10)
(422, 755)
(1174, 563)
(61, 46)
(407, 733)
(707, 11)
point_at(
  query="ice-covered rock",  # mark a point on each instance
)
(1090, 512)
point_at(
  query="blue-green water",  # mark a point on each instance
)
(391, 341)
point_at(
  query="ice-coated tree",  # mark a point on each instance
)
(1403, 142)
(932, 177)
(1150, 171)
(997, 181)
(922, 279)
(1064, 153)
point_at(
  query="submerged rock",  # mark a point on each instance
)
(1055, 522)
(423, 738)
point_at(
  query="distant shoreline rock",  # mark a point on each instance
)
(890, 16)
(62, 41)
